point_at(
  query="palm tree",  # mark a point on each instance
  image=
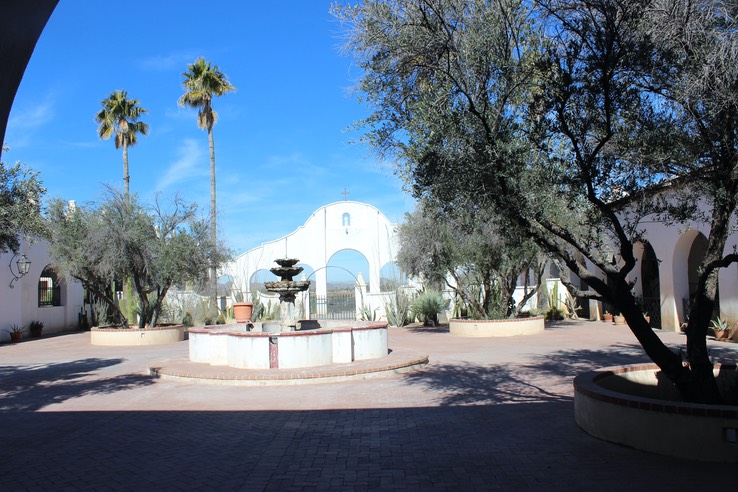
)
(202, 81)
(119, 116)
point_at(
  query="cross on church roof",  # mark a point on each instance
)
(345, 194)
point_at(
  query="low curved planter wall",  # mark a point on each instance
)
(137, 336)
(496, 327)
(632, 406)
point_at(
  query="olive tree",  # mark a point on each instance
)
(20, 206)
(570, 118)
(157, 247)
(473, 255)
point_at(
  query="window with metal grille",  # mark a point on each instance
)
(49, 288)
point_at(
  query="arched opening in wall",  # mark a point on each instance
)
(342, 272)
(581, 303)
(49, 288)
(256, 282)
(344, 268)
(227, 286)
(307, 274)
(651, 285)
(391, 277)
(694, 261)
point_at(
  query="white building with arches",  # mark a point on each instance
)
(339, 226)
(39, 295)
(666, 274)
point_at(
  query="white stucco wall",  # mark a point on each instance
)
(19, 305)
(671, 244)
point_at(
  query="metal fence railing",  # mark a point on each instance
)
(49, 296)
(335, 305)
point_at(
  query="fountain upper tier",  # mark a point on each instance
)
(286, 269)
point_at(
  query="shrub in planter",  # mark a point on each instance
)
(16, 333)
(36, 327)
(721, 329)
(397, 309)
(427, 305)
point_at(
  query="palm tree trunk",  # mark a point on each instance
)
(213, 234)
(126, 177)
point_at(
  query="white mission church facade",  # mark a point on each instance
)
(339, 226)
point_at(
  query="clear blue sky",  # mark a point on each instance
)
(281, 142)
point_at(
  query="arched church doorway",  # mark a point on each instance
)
(651, 285)
(694, 260)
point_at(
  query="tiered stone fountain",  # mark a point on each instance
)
(287, 288)
(288, 344)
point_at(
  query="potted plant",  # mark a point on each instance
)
(606, 317)
(36, 327)
(721, 328)
(618, 319)
(16, 333)
(241, 310)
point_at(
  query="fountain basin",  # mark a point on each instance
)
(331, 342)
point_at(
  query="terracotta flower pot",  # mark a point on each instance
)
(242, 311)
(16, 336)
(607, 317)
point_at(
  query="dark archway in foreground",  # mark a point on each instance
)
(21, 24)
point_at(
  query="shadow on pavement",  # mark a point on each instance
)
(32, 387)
(526, 446)
(469, 384)
(419, 328)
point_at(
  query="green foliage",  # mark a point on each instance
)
(202, 81)
(220, 320)
(483, 255)
(119, 238)
(36, 325)
(258, 310)
(20, 206)
(563, 118)
(129, 303)
(268, 312)
(16, 328)
(101, 313)
(397, 309)
(366, 313)
(119, 116)
(187, 321)
(426, 306)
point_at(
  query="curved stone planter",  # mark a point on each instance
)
(120, 337)
(635, 406)
(496, 327)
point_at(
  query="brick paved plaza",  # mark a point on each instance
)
(484, 414)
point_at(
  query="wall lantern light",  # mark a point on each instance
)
(22, 265)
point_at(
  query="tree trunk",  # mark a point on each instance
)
(126, 177)
(696, 383)
(213, 228)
